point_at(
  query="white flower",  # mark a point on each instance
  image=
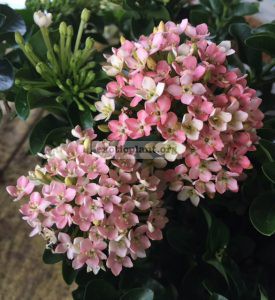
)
(192, 127)
(115, 67)
(106, 107)
(42, 19)
(150, 91)
(225, 47)
(189, 192)
(219, 119)
(169, 149)
(238, 116)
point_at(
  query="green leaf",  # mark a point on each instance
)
(98, 289)
(13, 21)
(6, 75)
(269, 27)
(216, 5)
(217, 297)
(138, 294)
(241, 31)
(262, 213)
(262, 41)
(51, 258)
(40, 132)
(217, 239)
(219, 267)
(198, 16)
(86, 119)
(245, 9)
(269, 170)
(269, 148)
(22, 105)
(68, 273)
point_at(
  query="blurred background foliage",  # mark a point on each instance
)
(225, 249)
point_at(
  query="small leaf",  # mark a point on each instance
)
(6, 75)
(51, 258)
(138, 294)
(245, 9)
(217, 297)
(86, 119)
(269, 170)
(262, 213)
(99, 289)
(22, 105)
(40, 132)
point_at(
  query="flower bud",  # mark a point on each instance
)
(85, 15)
(19, 38)
(42, 19)
(70, 30)
(103, 128)
(151, 64)
(63, 28)
(70, 181)
(89, 43)
(87, 145)
(122, 40)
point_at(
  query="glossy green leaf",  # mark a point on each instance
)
(219, 267)
(40, 132)
(269, 170)
(216, 5)
(217, 239)
(86, 119)
(68, 273)
(262, 41)
(269, 148)
(51, 258)
(198, 16)
(21, 105)
(217, 297)
(241, 31)
(269, 27)
(245, 9)
(6, 75)
(262, 213)
(99, 290)
(138, 294)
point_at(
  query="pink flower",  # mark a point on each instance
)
(171, 129)
(157, 111)
(226, 180)
(139, 241)
(62, 215)
(34, 207)
(90, 254)
(138, 127)
(65, 245)
(186, 90)
(24, 187)
(115, 263)
(119, 129)
(58, 193)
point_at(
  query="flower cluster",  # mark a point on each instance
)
(99, 207)
(176, 86)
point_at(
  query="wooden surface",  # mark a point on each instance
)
(23, 275)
